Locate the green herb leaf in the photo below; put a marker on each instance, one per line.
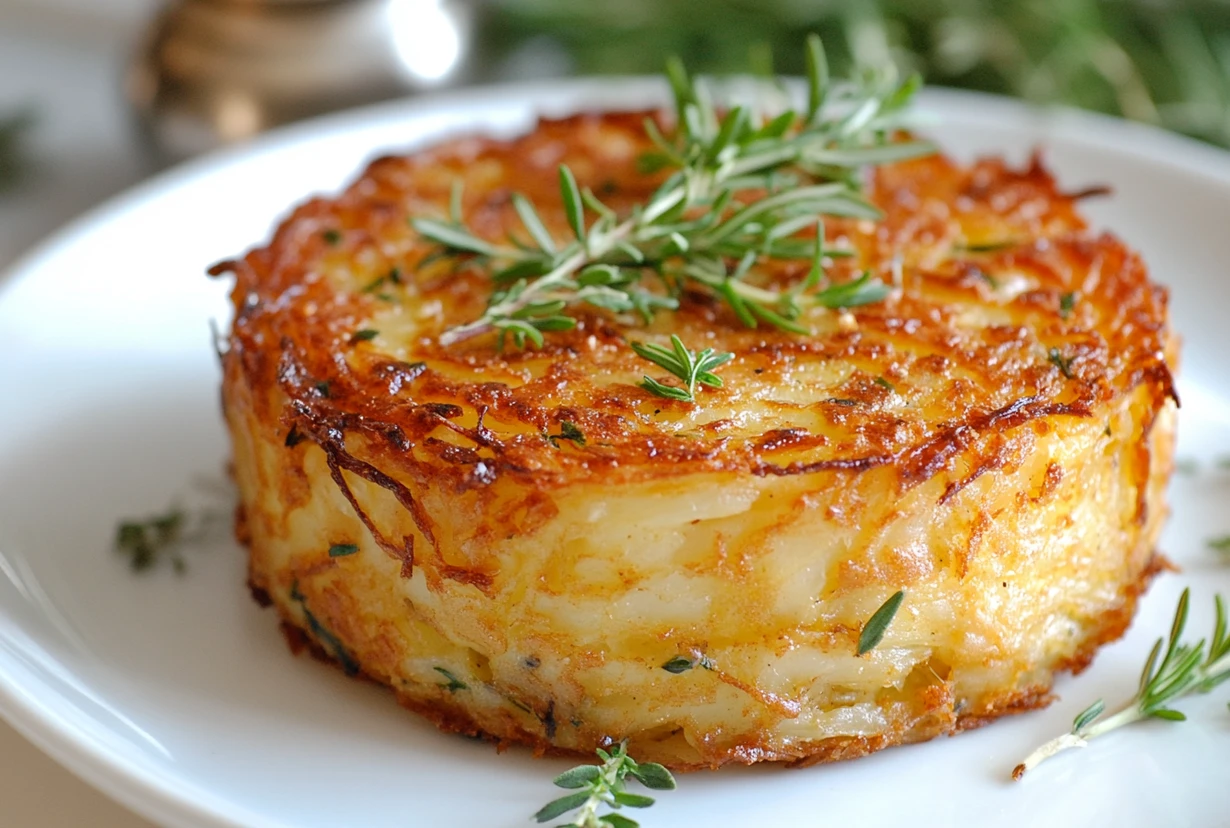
(533, 222)
(1064, 365)
(693, 369)
(573, 207)
(817, 77)
(578, 777)
(877, 624)
(986, 247)
(631, 800)
(654, 776)
(599, 785)
(561, 806)
(864, 290)
(341, 550)
(148, 541)
(1173, 670)
(678, 664)
(567, 431)
(737, 193)
(618, 821)
(1087, 715)
(453, 684)
(454, 237)
(364, 335)
(1067, 302)
(327, 638)
(1220, 544)
(681, 664)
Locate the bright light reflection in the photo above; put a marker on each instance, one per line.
(425, 38)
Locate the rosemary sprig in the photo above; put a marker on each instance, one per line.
(743, 187)
(604, 785)
(1184, 670)
(693, 369)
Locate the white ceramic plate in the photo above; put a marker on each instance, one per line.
(177, 695)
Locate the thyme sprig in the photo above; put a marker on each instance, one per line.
(604, 785)
(693, 369)
(743, 188)
(1184, 669)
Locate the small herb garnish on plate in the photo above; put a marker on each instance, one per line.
(1220, 544)
(692, 369)
(342, 550)
(743, 188)
(364, 335)
(148, 541)
(1185, 669)
(600, 785)
(877, 624)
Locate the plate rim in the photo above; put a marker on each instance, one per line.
(174, 800)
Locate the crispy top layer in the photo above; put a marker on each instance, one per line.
(1008, 310)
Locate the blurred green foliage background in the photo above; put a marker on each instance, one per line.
(1165, 62)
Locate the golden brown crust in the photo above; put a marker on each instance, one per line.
(965, 382)
(994, 439)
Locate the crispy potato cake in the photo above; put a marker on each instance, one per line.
(526, 544)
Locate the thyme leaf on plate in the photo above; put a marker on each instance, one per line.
(599, 785)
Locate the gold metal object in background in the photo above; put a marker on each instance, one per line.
(212, 72)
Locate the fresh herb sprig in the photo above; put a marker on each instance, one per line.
(604, 785)
(692, 369)
(743, 187)
(147, 541)
(1184, 669)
